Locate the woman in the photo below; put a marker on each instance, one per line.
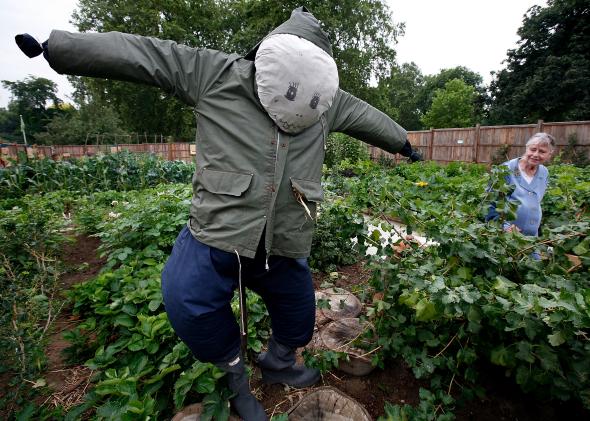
(529, 177)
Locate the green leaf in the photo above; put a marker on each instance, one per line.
(503, 285)
(123, 319)
(425, 310)
(525, 352)
(464, 273)
(501, 356)
(556, 338)
(155, 304)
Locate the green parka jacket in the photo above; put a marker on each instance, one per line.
(251, 178)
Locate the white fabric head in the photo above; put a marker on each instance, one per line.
(296, 81)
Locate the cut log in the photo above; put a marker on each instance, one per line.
(327, 404)
(340, 336)
(193, 413)
(342, 304)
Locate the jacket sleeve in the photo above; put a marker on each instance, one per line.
(180, 70)
(356, 118)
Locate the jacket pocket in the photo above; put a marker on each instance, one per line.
(310, 190)
(224, 182)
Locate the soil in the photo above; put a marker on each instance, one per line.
(396, 384)
(82, 262)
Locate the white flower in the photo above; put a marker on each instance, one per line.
(354, 241)
(114, 215)
(371, 251)
(114, 203)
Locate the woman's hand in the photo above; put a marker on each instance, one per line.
(512, 228)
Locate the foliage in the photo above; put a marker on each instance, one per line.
(473, 298)
(548, 75)
(340, 147)
(29, 99)
(329, 250)
(194, 23)
(10, 126)
(120, 171)
(433, 83)
(452, 106)
(31, 237)
(568, 197)
(431, 408)
(501, 155)
(144, 370)
(80, 125)
(362, 34)
(476, 297)
(401, 92)
(573, 154)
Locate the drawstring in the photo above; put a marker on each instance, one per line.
(266, 263)
(324, 133)
(243, 308)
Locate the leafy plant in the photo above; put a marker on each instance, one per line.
(118, 171)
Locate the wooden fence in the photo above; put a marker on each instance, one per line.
(169, 151)
(474, 144)
(481, 143)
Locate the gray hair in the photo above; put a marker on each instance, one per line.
(542, 138)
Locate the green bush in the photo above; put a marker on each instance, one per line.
(119, 171)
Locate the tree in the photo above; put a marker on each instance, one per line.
(9, 125)
(400, 92)
(146, 109)
(362, 33)
(30, 98)
(548, 75)
(76, 127)
(432, 83)
(452, 106)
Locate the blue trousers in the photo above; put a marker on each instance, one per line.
(198, 283)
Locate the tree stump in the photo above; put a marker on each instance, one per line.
(342, 304)
(193, 413)
(339, 336)
(327, 404)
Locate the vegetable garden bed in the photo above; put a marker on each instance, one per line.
(464, 327)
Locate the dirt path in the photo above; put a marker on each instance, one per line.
(68, 382)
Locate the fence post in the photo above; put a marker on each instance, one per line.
(430, 144)
(476, 144)
(170, 152)
(539, 126)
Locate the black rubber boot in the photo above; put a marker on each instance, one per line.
(278, 366)
(244, 402)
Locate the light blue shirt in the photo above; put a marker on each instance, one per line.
(529, 195)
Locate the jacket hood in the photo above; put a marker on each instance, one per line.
(303, 24)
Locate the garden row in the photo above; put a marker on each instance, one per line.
(449, 310)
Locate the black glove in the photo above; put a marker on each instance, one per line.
(413, 154)
(28, 45)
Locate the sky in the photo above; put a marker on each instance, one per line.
(438, 35)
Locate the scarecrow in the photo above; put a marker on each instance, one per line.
(262, 124)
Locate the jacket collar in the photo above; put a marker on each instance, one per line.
(516, 173)
(303, 24)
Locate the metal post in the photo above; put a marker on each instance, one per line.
(22, 128)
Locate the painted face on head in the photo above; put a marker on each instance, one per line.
(537, 153)
(296, 81)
